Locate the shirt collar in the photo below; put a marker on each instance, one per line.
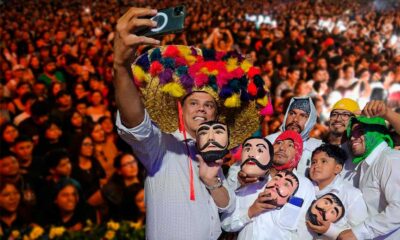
(375, 153)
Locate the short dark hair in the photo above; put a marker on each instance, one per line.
(22, 138)
(332, 151)
(53, 157)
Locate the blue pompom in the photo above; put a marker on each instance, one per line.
(212, 82)
(243, 83)
(155, 55)
(234, 84)
(208, 54)
(225, 92)
(143, 62)
(261, 92)
(244, 96)
(168, 63)
(181, 70)
(258, 81)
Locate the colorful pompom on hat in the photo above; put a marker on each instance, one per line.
(166, 74)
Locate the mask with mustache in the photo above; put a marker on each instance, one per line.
(259, 151)
(260, 165)
(311, 216)
(215, 134)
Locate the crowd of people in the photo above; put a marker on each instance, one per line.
(60, 150)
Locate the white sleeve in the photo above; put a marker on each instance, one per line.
(235, 221)
(146, 141)
(389, 219)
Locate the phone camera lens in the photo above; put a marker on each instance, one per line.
(178, 11)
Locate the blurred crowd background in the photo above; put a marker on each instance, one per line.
(59, 147)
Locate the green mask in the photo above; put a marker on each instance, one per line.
(375, 132)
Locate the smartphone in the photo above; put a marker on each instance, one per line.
(169, 20)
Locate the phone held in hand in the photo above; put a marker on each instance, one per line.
(169, 20)
(296, 201)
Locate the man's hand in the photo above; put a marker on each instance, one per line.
(347, 235)
(244, 179)
(375, 108)
(259, 206)
(208, 172)
(318, 229)
(126, 42)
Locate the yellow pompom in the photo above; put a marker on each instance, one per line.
(231, 64)
(232, 101)
(263, 101)
(208, 72)
(174, 89)
(246, 65)
(139, 74)
(186, 53)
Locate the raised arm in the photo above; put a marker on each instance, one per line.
(126, 42)
(377, 108)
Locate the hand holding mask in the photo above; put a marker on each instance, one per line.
(281, 188)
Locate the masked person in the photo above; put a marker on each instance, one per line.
(326, 164)
(376, 166)
(183, 200)
(262, 210)
(301, 117)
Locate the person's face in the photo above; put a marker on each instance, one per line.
(198, 108)
(81, 108)
(39, 89)
(56, 88)
(76, 120)
(98, 134)
(23, 89)
(284, 152)
(63, 168)
(129, 167)
(323, 168)
(67, 199)
(65, 100)
(107, 125)
(53, 132)
(349, 73)
(320, 76)
(50, 67)
(9, 166)
(296, 120)
(212, 137)
(294, 76)
(338, 121)
(281, 187)
(322, 63)
(96, 98)
(87, 147)
(24, 150)
(255, 150)
(9, 198)
(357, 140)
(79, 90)
(326, 209)
(10, 134)
(139, 200)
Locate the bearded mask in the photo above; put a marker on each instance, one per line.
(256, 156)
(327, 208)
(281, 187)
(212, 140)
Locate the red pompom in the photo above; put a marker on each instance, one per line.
(155, 68)
(252, 89)
(171, 51)
(254, 71)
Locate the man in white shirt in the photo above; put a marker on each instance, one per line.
(256, 219)
(377, 166)
(326, 164)
(301, 117)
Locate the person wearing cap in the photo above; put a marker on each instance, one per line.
(340, 116)
(183, 196)
(256, 219)
(377, 178)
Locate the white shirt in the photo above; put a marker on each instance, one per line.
(170, 213)
(354, 205)
(380, 185)
(286, 223)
